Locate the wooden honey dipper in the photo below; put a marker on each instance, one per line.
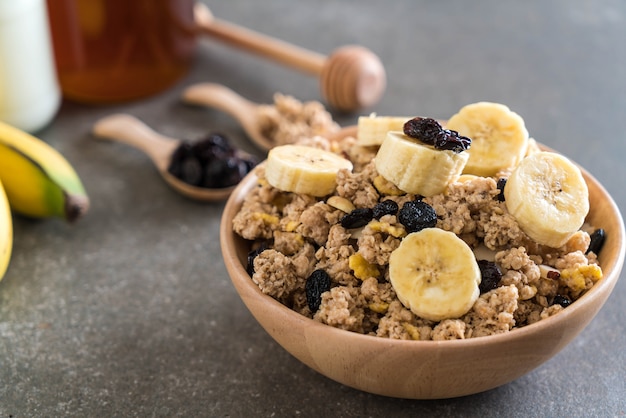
(352, 77)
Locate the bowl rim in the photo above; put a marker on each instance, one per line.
(601, 289)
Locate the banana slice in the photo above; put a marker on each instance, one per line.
(548, 196)
(499, 137)
(435, 274)
(372, 129)
(418, 168)
(302, 169)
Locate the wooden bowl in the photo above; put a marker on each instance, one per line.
(425, 369)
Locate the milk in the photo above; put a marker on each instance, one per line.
(29, 90)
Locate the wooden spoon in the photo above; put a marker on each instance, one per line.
(342, 133)
(131, 131)
(243, 110)
(352, 77)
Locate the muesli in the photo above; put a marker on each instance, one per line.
(422, 232)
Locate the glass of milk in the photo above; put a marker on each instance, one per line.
(29, 90)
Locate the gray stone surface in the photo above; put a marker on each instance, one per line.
(130, 312)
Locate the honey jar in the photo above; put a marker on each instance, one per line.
(119, 50)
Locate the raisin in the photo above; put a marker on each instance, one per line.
(501, 184)
(554, 275)
(250, 163)
(214, 173)
(316, 284)
(213, 146)
(564, 301)
(386, 207)
(185, 165)
(451, 140)
(357, 218)
(429, 131)
(490, 275)
(181, 153)
(416, 215)
(225, 172)
(424, 129)
(191, 171)
(252, 255)
(597, 241)
(210, 162)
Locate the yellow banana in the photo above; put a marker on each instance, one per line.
(6, 233)
(39, 182)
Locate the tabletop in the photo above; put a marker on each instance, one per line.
(130, 311)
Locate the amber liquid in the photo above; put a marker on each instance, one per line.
(120, 50)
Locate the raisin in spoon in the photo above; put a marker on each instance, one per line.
(131, 131)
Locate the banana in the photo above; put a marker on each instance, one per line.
(302, 169)
(39, 182)
(499, 137)
(435, 274)
(416, 167)
(6, 232)
(372, 129)
(548, 196)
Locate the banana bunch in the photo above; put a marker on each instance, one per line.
(37, 181)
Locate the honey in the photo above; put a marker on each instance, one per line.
(119, 50)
